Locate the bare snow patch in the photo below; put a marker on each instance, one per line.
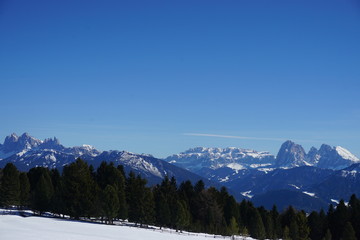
(247, 194)
(310, 194)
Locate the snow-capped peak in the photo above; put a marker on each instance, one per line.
(88, 147)
(344, 153)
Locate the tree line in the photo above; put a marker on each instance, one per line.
(108, 194)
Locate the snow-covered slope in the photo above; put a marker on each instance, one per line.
(40, 228)
(214, 158)
(335, 157)
(51, 154)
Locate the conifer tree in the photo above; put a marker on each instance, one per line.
(24, 189)
(57, 202)
(286, 233)
(79, 189)
(148, 214)
(256, 225)
(348, 233)
(162, 210)
(182, 215)
(302, 224)
(107, 174)
(233, 228)
(10, 186)
(276, 222)
(339, 219)
(42, 194)
(110, 203)
(354, 204)
(136, 194)
(199, 186)
(328, 235)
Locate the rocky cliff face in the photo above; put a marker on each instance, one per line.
(291, 155)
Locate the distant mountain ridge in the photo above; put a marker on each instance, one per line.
(305, 180)
(27, 152)
(327, 157)
(290, 155)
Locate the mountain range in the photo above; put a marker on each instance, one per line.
(307, 181)
(27, 152)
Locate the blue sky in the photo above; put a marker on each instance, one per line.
(149, 76)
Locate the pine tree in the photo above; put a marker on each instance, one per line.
(182, 215)
(233, 228)
(286, 233)
(328, 235)
(276, 222)
(302, 224)
(162, 210)
(348, 233)
(199, 186)
(24, 190)
(136, 193)
(256, 225)
(340, 217)
(43, 194)
(148, 214)
(107, 174)
(111, 203)
(79, 189)
(57, 202)
(354, 204)
(10, 186)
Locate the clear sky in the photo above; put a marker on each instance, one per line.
(152, 76)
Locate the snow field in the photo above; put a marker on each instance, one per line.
(13, 227)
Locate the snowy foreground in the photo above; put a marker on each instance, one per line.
(13, 227)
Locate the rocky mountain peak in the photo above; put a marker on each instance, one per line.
(291, 155)
(313, 156)
(335, 157)
(14, 143)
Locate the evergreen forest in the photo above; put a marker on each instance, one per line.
(108, 194)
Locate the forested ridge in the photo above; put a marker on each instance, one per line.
(107, 193)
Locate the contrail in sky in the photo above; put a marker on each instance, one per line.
(242, 137)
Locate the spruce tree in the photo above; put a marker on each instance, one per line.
(136, 194)
(148, 214)
(302, 224)
(354, 204)
(162, 210)
(276, 222)
(24, 190)
(42, 194)
(328, 235)
(348, 233)
(79, 189)
(286, 233)
(256, 225)
(57, 201)
(340, 217)
(182, 215)
(199, 186)
(10, 186)
(233, 228)
(107, 174)
(110, 203)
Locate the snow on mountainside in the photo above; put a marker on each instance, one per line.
(335, 157)
(213, 158)
(51, 154)
(344, 153)
(293, 155)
